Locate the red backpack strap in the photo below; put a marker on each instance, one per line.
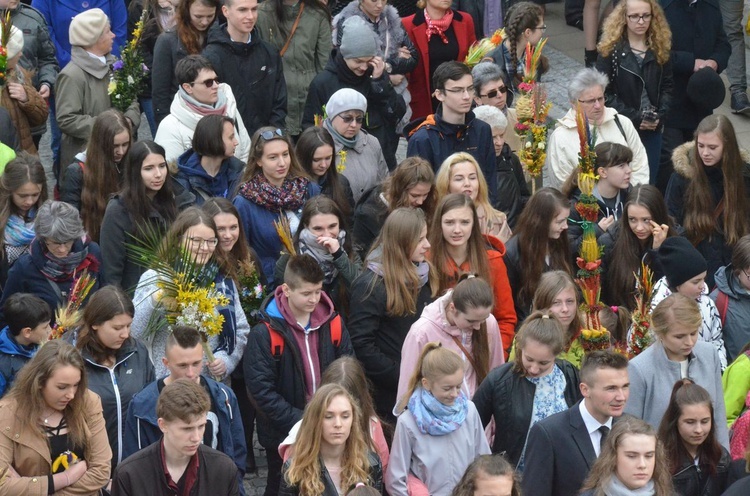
(336, 331)
(722, 304)
(277, 341)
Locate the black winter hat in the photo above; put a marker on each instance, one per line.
(705, 89)
(680, 261)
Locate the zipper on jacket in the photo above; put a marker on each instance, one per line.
(643, 88)
(310, 362)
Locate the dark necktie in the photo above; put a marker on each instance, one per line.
(604, 430)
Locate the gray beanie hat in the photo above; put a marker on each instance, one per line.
(343, 100)
(86, 28)
(358, 39)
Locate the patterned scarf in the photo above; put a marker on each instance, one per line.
(438, 27)
(308, 245)
(218, 108)
(435, 418)
(290, 196)
(18, 232)
(61, 269)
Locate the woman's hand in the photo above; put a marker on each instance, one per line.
(649, 125)
(217, 368)
(76, 471)
(660, 234)
(378, 66)
(404, 53)
(606, 223)
(396, 79)
(330, 244)
(17, 92)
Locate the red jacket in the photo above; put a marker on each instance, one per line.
(420, 86)
(504, 310)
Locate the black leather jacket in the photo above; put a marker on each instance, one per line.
(627, 79)
(376, 479)
(692, 480)
(510, 398)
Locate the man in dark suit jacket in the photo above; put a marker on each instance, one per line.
(562, 448)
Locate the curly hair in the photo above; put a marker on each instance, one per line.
(658, 35)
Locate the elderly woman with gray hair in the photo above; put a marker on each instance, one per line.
(587, 89)
(57, 257)
(492, 87)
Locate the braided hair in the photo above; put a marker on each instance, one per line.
(520, 17)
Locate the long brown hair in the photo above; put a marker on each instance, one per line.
(106, 304)
(396, 242)
(685, 393)
(534, 243)
(606, 465)
(308, 143)
(349, 373)
(700, 218)
(24, 169)
(33, 377)
(409, 173)
(552, 284)
(476, 250)
(475, 292)
(658, 35)
(305, 469)
(257, 146)
(628, 251)
(241, 251)
(101, 176)
(192, 39)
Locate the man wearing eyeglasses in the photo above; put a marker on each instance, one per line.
(453, 127)
(249, 65)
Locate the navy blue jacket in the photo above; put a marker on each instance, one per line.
(142, 428)
(13, 356)
(434, 140)
(26, 277)
(196, 180)
(260, 232)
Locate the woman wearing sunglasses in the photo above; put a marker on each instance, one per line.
(273, 186)
(359, 156)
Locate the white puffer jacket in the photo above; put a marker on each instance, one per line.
(175, 132)
(711, 330)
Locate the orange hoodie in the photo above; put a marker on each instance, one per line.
(504, 310)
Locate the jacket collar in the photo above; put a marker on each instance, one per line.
(90, 64)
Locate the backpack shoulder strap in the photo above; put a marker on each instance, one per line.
(277, 341)
(619, 126)
(336, 331)
(722, 304)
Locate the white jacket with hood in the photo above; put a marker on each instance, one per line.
(175, 132)
(564, 146)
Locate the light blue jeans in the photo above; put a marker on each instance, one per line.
(731, 12)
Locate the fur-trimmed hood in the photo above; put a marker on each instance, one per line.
(681, 159)
(389, 29)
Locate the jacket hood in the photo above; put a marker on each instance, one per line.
(569, 119)
(682, 155)
(727, 283)
(434, 313)
(219, 35)
(10, 346)
(391, 28)
(278, 307)
(189, 163)
(435, 122)
(498, 248)
(129, 347)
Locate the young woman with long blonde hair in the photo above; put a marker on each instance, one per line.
(331, 454)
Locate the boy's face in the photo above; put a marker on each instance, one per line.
(183, 438)
(457, 95)
(36, 334)
(304, 298)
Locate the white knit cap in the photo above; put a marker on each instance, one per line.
(86, 28)
(15, 43)
(345, 99)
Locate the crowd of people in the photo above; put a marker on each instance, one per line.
(384, 326)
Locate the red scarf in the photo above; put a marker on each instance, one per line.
(438, 27)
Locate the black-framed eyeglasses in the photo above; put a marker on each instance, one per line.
(349, 118)
(198, 242)
(746, 274)
(207, 83)
(269, 135)
(493, 93)
(638, 18)
(543, 27)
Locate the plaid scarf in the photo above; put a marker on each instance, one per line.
(438, 27)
